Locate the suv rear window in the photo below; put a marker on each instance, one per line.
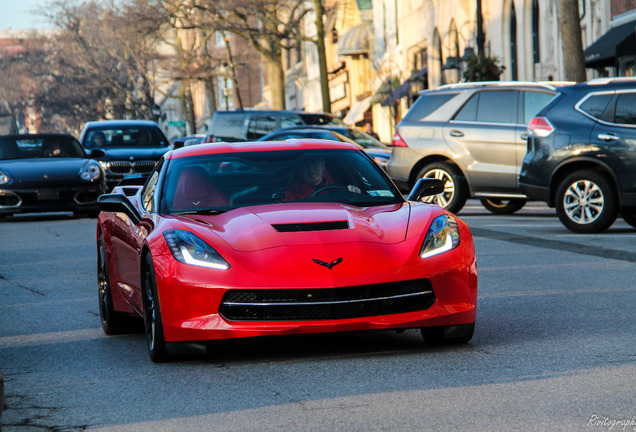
(228, 125)
(595, 105)
(426, 104)
(321, 119)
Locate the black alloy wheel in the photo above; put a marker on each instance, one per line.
(152, 314)
(586, 202)
(112, 322)
(503, 206)
(455, 188)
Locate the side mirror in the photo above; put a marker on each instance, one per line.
(96, 153)
(426, 187)
(118, 203)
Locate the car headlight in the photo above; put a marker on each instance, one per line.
(442, 236)
(91, 171)
(4, 178)
(187, 248)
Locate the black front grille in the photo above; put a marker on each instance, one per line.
(125, 167)
(327, 303)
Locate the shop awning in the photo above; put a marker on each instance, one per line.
(356, 113)
(355, 41)
(616, 42)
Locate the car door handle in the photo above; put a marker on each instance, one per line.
(608, 137)
(524, 136)
(456, 133)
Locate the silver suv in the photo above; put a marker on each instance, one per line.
(473, 137)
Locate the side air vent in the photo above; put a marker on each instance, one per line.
(318, 226)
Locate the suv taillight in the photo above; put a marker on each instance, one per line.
(398, 141)
(540, 126)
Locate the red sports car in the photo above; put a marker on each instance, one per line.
(252, 239)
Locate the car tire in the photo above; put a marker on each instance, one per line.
(502, 206)
(629, 215)
(153, 326)
(113, 322)
(455, 334)
(455, 188)
(586, 202)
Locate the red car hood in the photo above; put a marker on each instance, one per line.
(256, 228)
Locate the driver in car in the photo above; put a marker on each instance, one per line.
(310, 177)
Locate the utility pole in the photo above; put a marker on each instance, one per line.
(322, 57)
(481, 36)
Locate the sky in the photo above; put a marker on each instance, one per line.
(20, 15)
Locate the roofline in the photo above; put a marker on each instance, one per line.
(498, 84)
(259, 146)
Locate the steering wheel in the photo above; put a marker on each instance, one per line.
(327, 188)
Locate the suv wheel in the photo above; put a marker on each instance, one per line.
(503, 206)
(455, 188)
(586, 203)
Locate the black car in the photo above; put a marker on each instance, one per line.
(47, 172)
(374, 148)
(250, 125)
(581, 155)
(126, 149)
(187, 140)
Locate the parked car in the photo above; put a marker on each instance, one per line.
(264, 250)
(47, 172)
(250, 125)
(126, 149)
(374, 148)
(187, 140)
(472, 136)
(581, 155)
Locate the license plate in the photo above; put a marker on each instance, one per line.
(48, 195)
(132, 175)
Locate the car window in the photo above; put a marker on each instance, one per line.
(533, 102)
(125, 136)
(226, 181)
(498, 106)
(626, 109)
(469, 111)
(260, 126)
(228, 125)
(290, 121)
(320, 119)
(364, 139)
(426, 104)
(595, 105)
(30, 147)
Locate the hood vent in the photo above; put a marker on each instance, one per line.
(317, 226)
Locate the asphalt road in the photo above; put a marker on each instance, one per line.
(554, 348)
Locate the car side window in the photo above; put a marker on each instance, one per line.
(469, 111)
(595, 105)
(625, 109)
(148, 193)
(533, 102)
(289, 121)
(497, 106)
(260, 126)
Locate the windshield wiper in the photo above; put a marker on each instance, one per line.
(205, 211)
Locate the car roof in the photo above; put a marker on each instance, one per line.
(38, 135)
(495, 84)
(116, 123)
(259, 111)
(259, 146)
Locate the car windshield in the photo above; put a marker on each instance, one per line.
(364, 139)
(221, 182)
(124, 136)
(321, 119)
(33, 147)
